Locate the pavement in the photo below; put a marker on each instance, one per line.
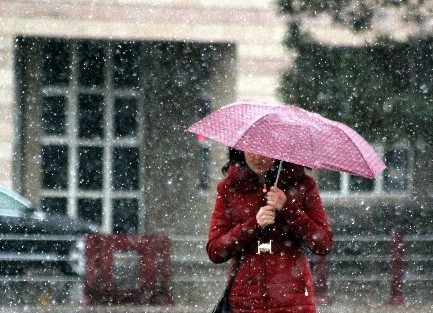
(340, 307)
(369, 299)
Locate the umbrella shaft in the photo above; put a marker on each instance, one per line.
(278, 173)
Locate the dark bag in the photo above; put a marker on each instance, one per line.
(223, 304)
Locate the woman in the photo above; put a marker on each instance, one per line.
(269, 226)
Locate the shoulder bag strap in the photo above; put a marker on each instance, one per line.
(232, 279)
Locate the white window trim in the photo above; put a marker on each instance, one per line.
(378, 191)
(107, 143)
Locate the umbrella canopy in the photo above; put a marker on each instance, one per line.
(289, 133)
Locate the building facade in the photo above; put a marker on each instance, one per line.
(96, 97)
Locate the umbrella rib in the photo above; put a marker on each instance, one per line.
(305, 116)
(344, 128)
(249, 125)
(261, 117)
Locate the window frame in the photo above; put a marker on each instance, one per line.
(378, 183)
(108, 143)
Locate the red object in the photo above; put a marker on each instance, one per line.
(280, 281)
(397, 269)
(201, 138)
(153, 284)
(289, 133)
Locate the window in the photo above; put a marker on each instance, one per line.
(91, 131)
(395, 179)
(104, 118)
(55, 167)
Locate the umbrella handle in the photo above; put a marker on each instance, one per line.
(278, 173)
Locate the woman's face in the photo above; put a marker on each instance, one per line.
(258, 164)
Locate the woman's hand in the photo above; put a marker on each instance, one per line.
(265, 216)
(276, 198)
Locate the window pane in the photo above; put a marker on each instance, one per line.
(125, 169)
(90, 210)
(55, 167)
(125, 215)
(54, 205)
(396, 173)
(54, 115)
(56, 63)
(90, 116)
(125, 117)
(126, 65)
(90, 168)
(329, 180)
(361, 184)
(91, 63)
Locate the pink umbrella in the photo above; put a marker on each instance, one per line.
(289, 133)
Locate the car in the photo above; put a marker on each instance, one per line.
(32, 239)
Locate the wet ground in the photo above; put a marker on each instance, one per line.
(35, 298)
(342, 307)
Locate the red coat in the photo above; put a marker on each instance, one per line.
(275, 282)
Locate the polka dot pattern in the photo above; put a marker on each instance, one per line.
(290, 133)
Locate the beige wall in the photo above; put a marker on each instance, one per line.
(391, 22)
(6, 108)
(251, 25)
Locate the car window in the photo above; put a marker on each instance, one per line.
(9, 205)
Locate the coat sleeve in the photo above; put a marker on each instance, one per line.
(306, 216)
(225, 240)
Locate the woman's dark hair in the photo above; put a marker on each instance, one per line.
(236, 157)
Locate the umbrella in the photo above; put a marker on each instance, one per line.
(290, 133)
